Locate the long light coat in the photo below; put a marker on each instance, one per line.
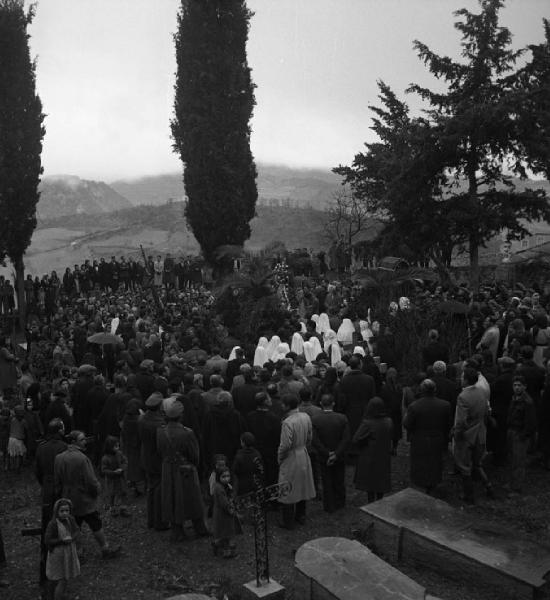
(294, 462)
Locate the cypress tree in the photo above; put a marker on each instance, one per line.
(214, 100)
(21, 134)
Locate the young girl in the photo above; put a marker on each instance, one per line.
(113, 468)
(60, 538)
(220, 462)
(225, 524)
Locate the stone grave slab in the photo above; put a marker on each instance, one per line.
(340, 569)
(417, 528)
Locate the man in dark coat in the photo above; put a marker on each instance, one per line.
(79, 394)
(331, 437)
(181, 497)
(445, 388)
(356, 389)
(57, 409)
(501, 396)
(266, 428)
(151, 460)
(428, 422)
(244, 396)
(145, 380)
(222, 429)
(533, 374)
(44, 471)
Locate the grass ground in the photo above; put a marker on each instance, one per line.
(151, 568)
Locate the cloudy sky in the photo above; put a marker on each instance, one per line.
(105, 73)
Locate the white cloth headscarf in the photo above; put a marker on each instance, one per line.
(309, 351)
(329, 338)
(297, 344)
(335, 354)
(316, 345)
(233, 354)
(282, 350)
(345, 332)
(273, 346)
(359, 350)
(324, 324)
(260, 354)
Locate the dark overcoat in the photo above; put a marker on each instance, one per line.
(428, 422)
(180, 486)
(374, 441)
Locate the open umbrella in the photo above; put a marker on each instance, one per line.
(104, 337)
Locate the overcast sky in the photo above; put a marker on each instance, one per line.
(105, 73)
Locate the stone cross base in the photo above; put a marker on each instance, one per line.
(267, 591)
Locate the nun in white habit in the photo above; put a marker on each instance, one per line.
(297, 344)
(272, 347)
(260, 355)
(335, 354)
(316, 345)
(329, 338)
(309, 351)
(282, 351)
(345, 332)
(323, 324)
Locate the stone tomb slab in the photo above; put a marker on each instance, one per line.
(340, 569)
(417, 528)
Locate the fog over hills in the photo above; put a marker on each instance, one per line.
(67, 195)
(303, 187)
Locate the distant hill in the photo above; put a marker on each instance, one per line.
(69, 195)
(277, 185)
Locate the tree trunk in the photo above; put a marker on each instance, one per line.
(474, 263)
(19, 266)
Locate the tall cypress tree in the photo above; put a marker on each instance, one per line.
(214, 100)
(21, 134)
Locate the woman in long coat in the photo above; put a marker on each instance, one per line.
(428, 422)
(180, 487)
(374, 440)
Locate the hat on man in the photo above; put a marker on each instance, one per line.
(506, 361)
(146, 364)
(86, 369)
(155, 399)
(439, 366)
(175, 410)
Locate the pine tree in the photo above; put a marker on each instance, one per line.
(21, 134)
(214, 100)
(476, 119)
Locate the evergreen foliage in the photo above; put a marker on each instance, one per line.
(469, 133)
(21, 134)
(214, 100)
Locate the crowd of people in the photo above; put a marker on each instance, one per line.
(169, 405)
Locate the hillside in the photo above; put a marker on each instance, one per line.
(276, 184)
(68, 195)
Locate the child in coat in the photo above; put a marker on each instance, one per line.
(225, 524)
(60, 536)
(220, 462)
(113, 468)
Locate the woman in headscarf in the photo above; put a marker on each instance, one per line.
(260, 354)
(282, 350)
(374, 439)
(309, 352)
(272, 347)
(345, 332)
(316, 347)
(329, 339)
(297, 345)
(323, 324)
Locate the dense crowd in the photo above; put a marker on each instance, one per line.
(131, 384)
